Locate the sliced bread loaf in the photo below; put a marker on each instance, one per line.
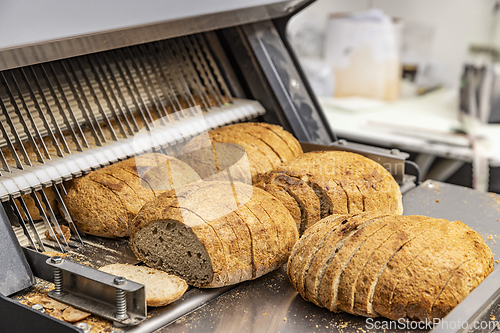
(413, 267)
(233, 232)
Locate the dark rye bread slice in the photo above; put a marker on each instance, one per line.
(327, 292)
(304, 256)
(331, 246)
(276, 143)
(460, 285)
(179, 242)
(219, 217)
(287, 137)
(367, 280)
(412, 298)
(286, 199)
(389, 279)
(84, 202)
(349, 277)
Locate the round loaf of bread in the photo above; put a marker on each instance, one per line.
(214, 234)
(265, 145)
(394, 266)
(104, 202)
(343, 183)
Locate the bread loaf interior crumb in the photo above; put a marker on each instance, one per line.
(172, 247)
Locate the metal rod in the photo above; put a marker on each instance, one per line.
(65, 213)
(79, 132)
(83, 104)
(22, 223)
(10, 145)
(142, 105)
(41, 114)
(52, 216)
(215, 69)
(191, 72)
(162, 109)
(52, 234)
(129, 90)
(96, 99)
(106, 96)
(145, 86)
(183, 87)
(31, 223)
(17, 139)
(53, 120)
(213, 82)
(32, 121)
(176, 106)
(119, 90)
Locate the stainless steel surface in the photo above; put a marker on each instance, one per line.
(191, 301)
(66, 30)
(96, 292)
(269, 304)
(393, 161)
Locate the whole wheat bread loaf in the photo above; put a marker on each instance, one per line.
(343, 182)
(214, 234)
(395, 266)
(266, 146)
(104, 202)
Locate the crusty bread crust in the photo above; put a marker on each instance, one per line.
(413, 267)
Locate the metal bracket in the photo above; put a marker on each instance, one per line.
(391, 159)
(103, 294)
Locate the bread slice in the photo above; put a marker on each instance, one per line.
(331, 246)
(328, 286)
(367, 280)
(270, 138)
(161, 288)
(305, 255)
(286, 199)
(287, 137)
(349, 278)
(397, 265)
(303, 194)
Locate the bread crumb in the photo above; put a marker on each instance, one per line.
(490, 237)
(264, 314)
(437, 200)
(284, 319)
(492, 317)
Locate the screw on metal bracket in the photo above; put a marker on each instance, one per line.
(84, 327)
(395, 151)
(58, 277)
(121, 299)
(38, 307)
(295, 84)
(342, 142)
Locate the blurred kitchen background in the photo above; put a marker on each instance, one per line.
(419, 76)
